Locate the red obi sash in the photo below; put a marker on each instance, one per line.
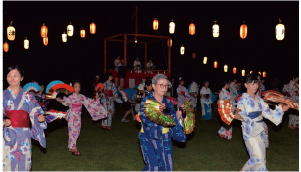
(42, 104)
(18, 118)
(109, 93)
(76, 107)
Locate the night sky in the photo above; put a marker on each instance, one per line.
(82, 58)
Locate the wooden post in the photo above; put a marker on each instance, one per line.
(145, 55)
(136, 14)
(105, 56)
(169, 59)
(125, 49)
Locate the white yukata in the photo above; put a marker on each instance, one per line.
(193, 89)
(253, 129)
(206, 104)
(148, 66)
(139, 64)
(233, 93)
(225, 130)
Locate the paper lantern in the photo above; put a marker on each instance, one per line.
(259, 73)
(44, 31)
(70, 29)
(215, 30)
(45, 41)
(279, 31)
(92, 28)
(169, 42)
(243, 31)
(193, 55)
(82, 33)
(215, 64)
(226, 68)
(26, 43)
(11, 32)
(172, 27)
(64, 37)
(155, 24)
(234, 70)
(243, 72)
(205, 60)
(251, 72)
(5, 46)
(182, 50)
(264, 74)
(191, 28)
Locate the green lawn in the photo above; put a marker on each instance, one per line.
(119, 150)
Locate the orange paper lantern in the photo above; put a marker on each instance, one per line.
(243, 72)
(82, 33)
(44, 31)
(243, 31)
(92, 28)
(191, 29)
(193, 55)
(264, 74)
(215, 64)
(5, 46)
(234, 70)
(169, 42)
(45, 41)
(155, 24)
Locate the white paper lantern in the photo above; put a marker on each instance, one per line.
(226, 68)
(182, 50)
(26, 43)
(205, 60)
(64, 37)
(172, 27)
(11, 32)
(70, 29)
(279, 31)
(215, 30)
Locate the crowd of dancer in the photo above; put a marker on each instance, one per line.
(20, 107)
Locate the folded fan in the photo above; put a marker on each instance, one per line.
(277, 99)
(226, 111)
(52, 115)
(31, 86)
(99, 87)
(189, 121)
(59, 88)
(151, 110)
(272, 92)
(52, 83)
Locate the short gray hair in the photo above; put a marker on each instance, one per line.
(159, 76)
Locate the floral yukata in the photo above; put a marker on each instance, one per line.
(206, 103)
(41, 98)
(182, 95)
(225, 130)
(155, 140)
(110, 92)
(73, 117)
(292, 90)
(21, 109)
(253, 129)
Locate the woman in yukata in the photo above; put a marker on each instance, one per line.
(182, 93)
(155, 140)
(252, 110)
(20, 107)
(75, 102)
(206, 100)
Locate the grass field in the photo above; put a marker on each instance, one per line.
(119, 150)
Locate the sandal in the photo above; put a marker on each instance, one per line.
(76, 153)
(109, 128)
(103, 127)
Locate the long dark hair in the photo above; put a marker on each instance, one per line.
(107, 75)
(18, 68)
(250, 78)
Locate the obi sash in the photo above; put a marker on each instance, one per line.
(42, 103)
(18, 118)
(254, 115)
(76, 107)
(164, 129)
(109, 93)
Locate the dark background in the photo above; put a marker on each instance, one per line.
(82, 58)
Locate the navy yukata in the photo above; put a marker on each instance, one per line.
(156, 147)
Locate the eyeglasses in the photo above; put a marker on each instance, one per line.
(163, 86)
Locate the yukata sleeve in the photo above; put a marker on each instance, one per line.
(243, 113)
(221, 95)
(178, 91)
(37, 130)
(115, 94)
(151, 129)
(66, 101)
(177, 130)
(95, 109)
(275, 115)
(187, 95)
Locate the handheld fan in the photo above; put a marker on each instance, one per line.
(189, 120)
(59, 88)
(272, 92)
(52, 83)
(123, 95)
(173, 100)
(226, 110)
(52, 115)
(151, 110)
(275, 97)
(31, 86)
(99, 87)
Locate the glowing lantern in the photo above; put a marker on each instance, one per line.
(193, 55)
(155, 24)
(82, 33)
(169, 42)
(64, 37)
(234, 70)
(70, 29)
(172, 27)
(182, 50)
(259, 73)
(226, 68)
(243, 72)
(44, 31)
(92, 28)
(215, 30)
(251, 72)
(205, 60)
(215, 64)
(45, 41)
(264, 74)
(26, 43)
(5, 46)
(243, 31)
(191, 28)
(280, 30)
(11, 32)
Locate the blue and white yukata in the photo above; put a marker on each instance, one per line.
(155, 140)
(253, 129)
(193, 90)
(225, 130)
(206, 103)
